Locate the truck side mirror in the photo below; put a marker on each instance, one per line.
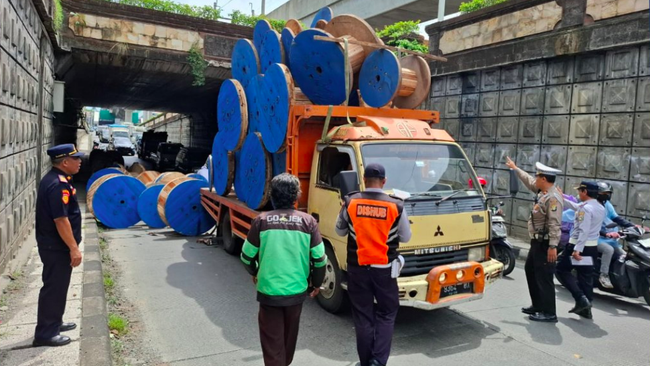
(514, 183)
(348, 182)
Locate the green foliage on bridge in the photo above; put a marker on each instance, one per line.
(237, 17)
(475, 5)
(204, 11)
(58, 15)
(198, 64)
(403, 35)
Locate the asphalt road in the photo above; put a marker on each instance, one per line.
(197, 307)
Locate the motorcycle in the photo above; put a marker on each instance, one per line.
(630, 275)
(500, 248)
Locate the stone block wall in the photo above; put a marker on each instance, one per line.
(23, 136)
(586, 114)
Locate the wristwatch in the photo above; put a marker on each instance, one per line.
(552, 246)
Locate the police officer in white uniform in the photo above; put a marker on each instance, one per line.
(544, 227)
(583, 243)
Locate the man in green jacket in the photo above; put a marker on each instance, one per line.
(285, 254)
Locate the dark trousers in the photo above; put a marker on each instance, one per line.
(373, 322)
(51, 300)
(583, 285)
(279, 333)
(539, 275)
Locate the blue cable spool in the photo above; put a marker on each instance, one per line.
(148, 207)
(324, 14)
(232, 114)
(223, 168)
(279, 163)
(115, 201)
(380, 78)
(287, 37)
(272, 50)
(319, 68)
(261, 27)
(100, 173)
(240, 179)
(245, 61)
(197, 176)
(275, 96)
(180, 201)
(252, 102)
(256, 171)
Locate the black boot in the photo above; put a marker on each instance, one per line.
(529, 310)
(586, 313)
(582, 304)
(543, 317)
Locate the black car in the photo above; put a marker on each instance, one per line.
(122, 145)
(191, 158)
(165, 157)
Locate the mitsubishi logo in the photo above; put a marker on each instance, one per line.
(439, 232)
(406, 129)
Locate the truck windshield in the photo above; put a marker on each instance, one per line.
(121, 134)
(423, 168)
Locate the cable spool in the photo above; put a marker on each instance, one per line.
(165, 178)
(274, 103)
(148, 207)
(240, 179)
(137, 168)
(93, 187)
(255, 170)
(261, 27)
(232, 114)
(223, 168)
(148, 177)
(324, 14)
(100, 173)
(179, 205)
(114, 200)
(197, 176)
(321, 70)
(245, 61)
(321, 24)
(271, 50)
(294, 25)
(286, 37)
(252, 102)
(384, 78)
(279, 161)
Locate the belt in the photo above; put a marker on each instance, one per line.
(588, 243)
(537, 236)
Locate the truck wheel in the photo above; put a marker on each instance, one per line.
(332, 298)
(231, 243)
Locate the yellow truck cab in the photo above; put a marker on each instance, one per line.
(447, 259)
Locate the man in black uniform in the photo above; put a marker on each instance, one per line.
(58, 234)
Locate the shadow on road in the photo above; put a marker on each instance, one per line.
(224, 290)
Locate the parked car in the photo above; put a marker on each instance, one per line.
(165, 157)
(191, 158)
(122, 145)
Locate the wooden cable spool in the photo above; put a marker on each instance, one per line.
(100, 173)
(148, 207)
(286, 36)
(271, 50)
(384, 78)
(274, 103)
(294, 25)
(324, 14)
(240, 178)
(197, 176)
(232, 114)
(148, 177)
(165, 178)
(114, 200)
(321, 74)
(179, 205)
(255, 169)
(245, 61)
(93, 187)
(137, 168)
(223, 168)
(347, 25)
(252, 102)
(261, 27)
(279, 162)
(321, 24)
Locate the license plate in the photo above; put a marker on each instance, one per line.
(461, 288)
(645, 243)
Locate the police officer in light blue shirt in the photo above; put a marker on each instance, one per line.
(583, 243)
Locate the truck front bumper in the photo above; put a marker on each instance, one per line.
(427, 291)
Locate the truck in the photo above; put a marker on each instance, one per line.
(148, 146)
(447, 260)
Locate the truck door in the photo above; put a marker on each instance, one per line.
(325, 198)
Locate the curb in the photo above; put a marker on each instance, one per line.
(95, 345)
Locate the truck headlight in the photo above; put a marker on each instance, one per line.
(476, 254)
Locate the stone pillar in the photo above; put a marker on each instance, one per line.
(573, 12)
(434, 43)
